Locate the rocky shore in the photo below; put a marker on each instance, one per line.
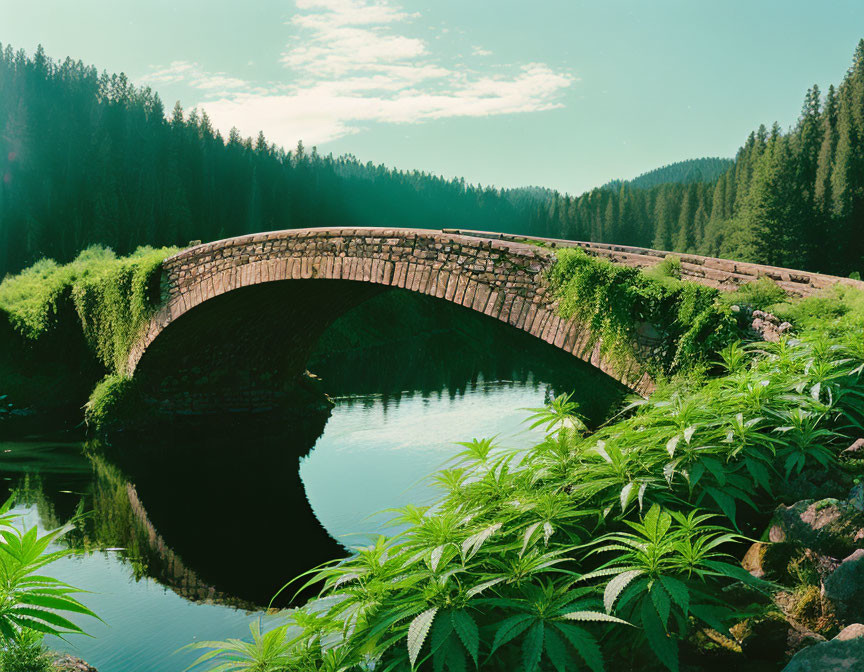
(811, 553)
(63, 662)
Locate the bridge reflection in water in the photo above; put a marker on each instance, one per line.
(225, 517)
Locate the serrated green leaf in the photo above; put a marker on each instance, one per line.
(556, 650)
(662, 602)
(584, 643)
(510, 628)
(677, 591)
(468, 632)
(417, 632)
(532, 647)
(663, 646)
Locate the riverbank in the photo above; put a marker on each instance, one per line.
(555, 552)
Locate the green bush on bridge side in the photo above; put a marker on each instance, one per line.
(616, 301)
(113, 297)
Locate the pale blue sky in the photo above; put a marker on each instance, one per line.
(560, 93)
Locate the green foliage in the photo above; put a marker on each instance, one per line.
(267, 652)
(760, 294)
(682, 172)
(616, 301)
(669, 268)
(593, 549)
(832, 312)
(115, 400)
(29, 601)
(663, 575)
(113, 297)
(26, 653)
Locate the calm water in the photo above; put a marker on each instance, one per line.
(187, 540)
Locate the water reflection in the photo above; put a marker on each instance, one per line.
(222, 518)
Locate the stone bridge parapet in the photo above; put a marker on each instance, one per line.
(499, 278)
(499, 275)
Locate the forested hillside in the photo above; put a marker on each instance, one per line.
(683, 172)
(89, 158)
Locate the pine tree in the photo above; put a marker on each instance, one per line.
(822, 187)
(686, 237)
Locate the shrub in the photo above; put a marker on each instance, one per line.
(113, 297)
(32, 604)
(115, 399)
(26, 653)
(267, 652)
(668, 269)
(760, 294)
(616, 301)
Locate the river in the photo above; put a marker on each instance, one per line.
(185, 539)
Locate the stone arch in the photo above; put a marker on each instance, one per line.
(502, 279)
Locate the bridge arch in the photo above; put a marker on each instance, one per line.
(503, 279)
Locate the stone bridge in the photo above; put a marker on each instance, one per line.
(280, 290)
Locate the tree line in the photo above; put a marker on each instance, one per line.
(90, 158)
(791, 198)
(692, 170)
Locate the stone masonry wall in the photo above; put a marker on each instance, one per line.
(499, 275)
(499, 278)
(723, 274)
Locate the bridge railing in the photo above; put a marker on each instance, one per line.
(724, 274)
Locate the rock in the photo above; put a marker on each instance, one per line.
(63, 662)
(851, 632)
(768, 560)
(768, 326)
(856, 449)
(828, 526)
(844, 587)
(837, 655)
(797, 640)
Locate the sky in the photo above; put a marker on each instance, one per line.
(566, 94)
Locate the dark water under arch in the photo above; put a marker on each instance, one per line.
(213, 524)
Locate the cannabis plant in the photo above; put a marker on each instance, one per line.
(29, 600)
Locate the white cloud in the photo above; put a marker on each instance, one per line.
(195, 76)
(355, 62)
(480, 51)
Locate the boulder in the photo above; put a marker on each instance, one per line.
(844, 588)
(844, 653)
(827, 526)
(798, 639)
(851, 632)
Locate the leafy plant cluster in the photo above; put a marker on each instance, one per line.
(112, 296)
(607, 550)
(32, 605)
(616, 302)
